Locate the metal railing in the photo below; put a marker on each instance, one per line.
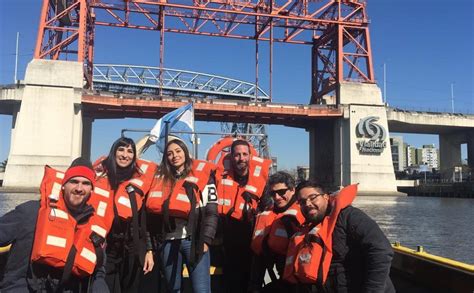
(129, 79)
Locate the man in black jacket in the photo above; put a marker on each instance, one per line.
(281, 190)
(18, 226)
(362, 254)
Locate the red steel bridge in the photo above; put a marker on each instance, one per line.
(337, 31)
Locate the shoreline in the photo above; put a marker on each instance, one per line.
(19, 189)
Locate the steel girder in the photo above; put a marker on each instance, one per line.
(337, 29)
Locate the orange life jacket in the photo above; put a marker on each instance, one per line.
(106, 198)
(285, 222)
(57, 231)
(274, 228)
(263, 224)
(309, 252)
(187, 190)
(234, 199)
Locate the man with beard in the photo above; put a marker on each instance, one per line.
(240, 184)
(361, 255)
(41, 235)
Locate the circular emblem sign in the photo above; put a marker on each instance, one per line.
(373, 136)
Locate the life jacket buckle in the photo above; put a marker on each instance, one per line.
(96, 239)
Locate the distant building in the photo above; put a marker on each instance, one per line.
(404, 156)
(411, 156)
(396, 144)
(408, 158)
(429, 155)
(302, 173)
(274, 164)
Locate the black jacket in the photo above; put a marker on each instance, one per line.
(362, 255)
(17, 227)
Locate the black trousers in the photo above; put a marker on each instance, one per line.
(123, 269)
(237, 255)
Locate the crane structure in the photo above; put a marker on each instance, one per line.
(337, 30)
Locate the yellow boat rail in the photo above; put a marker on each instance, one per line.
(420, 252)
(415, 269)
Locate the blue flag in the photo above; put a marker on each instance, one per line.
(181, 119)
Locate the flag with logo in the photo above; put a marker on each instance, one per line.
(174, 123)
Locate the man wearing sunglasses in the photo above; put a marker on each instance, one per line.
(272, 231)
(360, 257)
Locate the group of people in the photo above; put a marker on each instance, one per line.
(102, 227)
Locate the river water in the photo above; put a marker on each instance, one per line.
(443, 226)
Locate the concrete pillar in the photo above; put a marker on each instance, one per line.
(48, 127)
(470, 150)
(86, 137)
(362, 140)
(449, 154)
(450, 151)
(15, 112)
(339, 155)
(322, 152)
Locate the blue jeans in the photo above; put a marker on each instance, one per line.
(172, 254)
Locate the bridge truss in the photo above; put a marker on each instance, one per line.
(337, 30)
(130, 79)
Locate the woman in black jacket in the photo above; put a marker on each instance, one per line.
(126, 180)
(184, 196)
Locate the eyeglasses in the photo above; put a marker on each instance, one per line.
(280, 192)
(312, 198)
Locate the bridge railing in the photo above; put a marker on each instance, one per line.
(131, 79)
(468, 111)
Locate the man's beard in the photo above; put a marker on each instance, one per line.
(316, 218)
(241, 166)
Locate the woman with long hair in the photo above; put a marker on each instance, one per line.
(123, 181)
(184, 196)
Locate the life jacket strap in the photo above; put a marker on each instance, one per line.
(67, 268)
(135, 228)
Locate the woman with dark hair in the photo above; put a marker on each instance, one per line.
(184, 196)
(123, 180)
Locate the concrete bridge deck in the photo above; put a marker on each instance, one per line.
(99, 105)
(427, 122)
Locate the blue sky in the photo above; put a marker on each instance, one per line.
(426, 46)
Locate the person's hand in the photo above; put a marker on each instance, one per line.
(149, 263)
(206, 247)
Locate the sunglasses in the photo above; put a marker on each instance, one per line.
(280, 192)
